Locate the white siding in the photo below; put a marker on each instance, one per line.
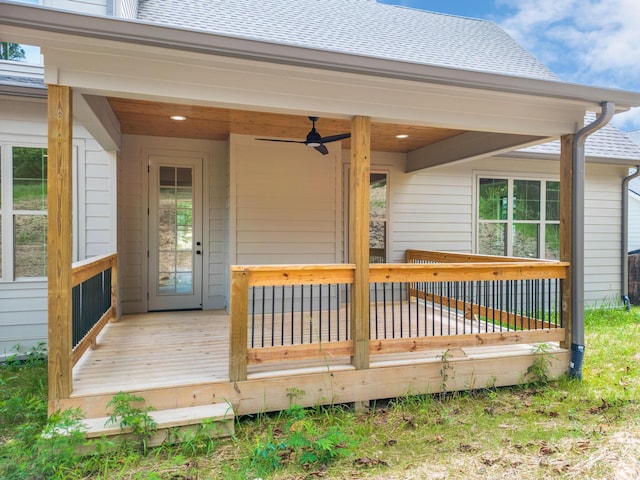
(94, 7)
(602, 234)
(23, 305)
(132, 217)
(434, 210)
(286, 204)
(23, 315)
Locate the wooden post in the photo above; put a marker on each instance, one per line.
(59, 242)
(239, 326)
(359, 238)
(566, 231)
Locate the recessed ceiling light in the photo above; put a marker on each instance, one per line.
(178, 118)
(402, 135)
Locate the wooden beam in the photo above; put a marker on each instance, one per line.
(89, 268)
(467, 146)
(428, 256)
(359, 237)
(239, 313)
(406, 345)
(59, 241)
(308, 351)
(269, 275)
(461, 272)
(566, 231)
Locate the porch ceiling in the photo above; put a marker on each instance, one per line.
(142, 117)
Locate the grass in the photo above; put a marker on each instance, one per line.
(564, 429)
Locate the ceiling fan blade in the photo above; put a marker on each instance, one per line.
(335, 138)
(322, 149)
(279, 140)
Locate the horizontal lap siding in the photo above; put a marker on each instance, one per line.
(433, 210)
(602, 243)
(99, 199)
(23, 315)
(95, 7)
(430, 210)
(286, 207)
(23, 304)
(214, 283)
(132, 216)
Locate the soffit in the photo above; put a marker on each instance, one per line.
(142, 117)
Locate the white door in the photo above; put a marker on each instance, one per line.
(175, 233)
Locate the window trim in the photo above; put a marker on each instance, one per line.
(7, 213)
(511, 177)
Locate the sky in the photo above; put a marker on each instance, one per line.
(592, 42)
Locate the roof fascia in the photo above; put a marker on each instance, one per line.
(62, 22)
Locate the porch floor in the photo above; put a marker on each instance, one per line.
(182, 348)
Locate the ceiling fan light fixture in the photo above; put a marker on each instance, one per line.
(178, 118)
(313, 144)
(402, 135)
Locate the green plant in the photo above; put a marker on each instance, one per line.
(142, 425)
(48, 453)
(538, 371)
(302, 442)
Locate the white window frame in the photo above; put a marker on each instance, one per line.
(7, 213)
(511, 177)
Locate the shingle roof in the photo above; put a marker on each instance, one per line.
(15, 81)
(608, 142)
(359, 27)
(22, 82)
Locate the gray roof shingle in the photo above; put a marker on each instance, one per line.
(358, 27)
(608, 142)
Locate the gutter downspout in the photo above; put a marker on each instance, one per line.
(577, 223)
(625, 238)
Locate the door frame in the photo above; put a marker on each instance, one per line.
(177, 158)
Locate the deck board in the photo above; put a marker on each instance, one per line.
(173, 349)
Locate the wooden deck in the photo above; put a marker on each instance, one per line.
(152, 350)
(180, 350)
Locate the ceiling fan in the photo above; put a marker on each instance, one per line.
(314, 139)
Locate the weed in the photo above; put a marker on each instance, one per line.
(302, 442)
(143, 426)
(538, 371)
(47, 453)
(444, 372)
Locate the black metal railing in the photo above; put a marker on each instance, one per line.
(91, 300)
(298, 314)
(422, 309)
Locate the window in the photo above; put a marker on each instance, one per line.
(23, 212)
(378, 218)
(519, 217)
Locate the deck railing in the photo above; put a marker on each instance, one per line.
(94, 300)
(435, 300)
(289, 312)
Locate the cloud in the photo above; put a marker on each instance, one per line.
(586, 41)
(628, 121)
(593, 42)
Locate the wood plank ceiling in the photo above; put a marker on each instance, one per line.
(141, 117)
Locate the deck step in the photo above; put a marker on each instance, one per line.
(173, 426)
